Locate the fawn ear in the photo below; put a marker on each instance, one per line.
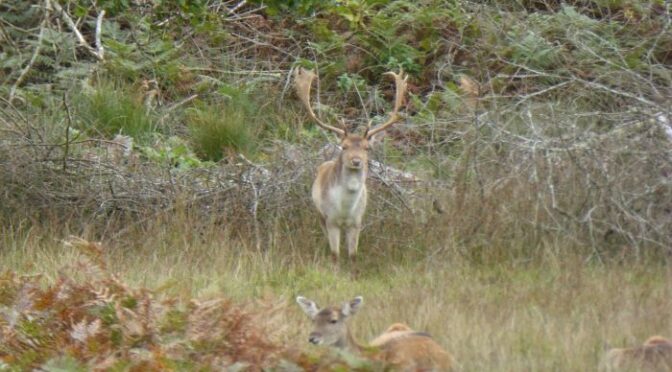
(351, 307)
(309, 307)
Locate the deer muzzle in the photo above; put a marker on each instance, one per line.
(314, 338)
(356, 163)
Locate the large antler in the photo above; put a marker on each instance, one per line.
(400, 82)
(303, 80)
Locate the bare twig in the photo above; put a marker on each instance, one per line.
(66, 145)
(543, 91)
(264, 44)
(591, 84)
(99, 26)
(236, 7)
(623, 66)
(82, 41)
(178, 104)
(271, 73)
(664, 31)
(617, 92)
(71, 24)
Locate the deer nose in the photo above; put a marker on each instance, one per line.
(356, 162)
(314, 338)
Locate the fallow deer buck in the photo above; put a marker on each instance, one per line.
(339, 190)
(399, 346)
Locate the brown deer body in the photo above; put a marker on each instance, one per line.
(399, 346)
(339, 190)
(653, 356)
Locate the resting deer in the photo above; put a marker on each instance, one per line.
(339, 189)
(400, 346)
(654, 355)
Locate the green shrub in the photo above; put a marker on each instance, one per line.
(111, 109)
(218, 129)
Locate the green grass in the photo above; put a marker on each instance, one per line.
(552, 313)
(116, 109)
(219, 130)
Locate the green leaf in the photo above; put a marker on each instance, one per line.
(64, 363)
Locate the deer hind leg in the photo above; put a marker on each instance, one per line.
(323, 224)
(352, 239)
(334, 236)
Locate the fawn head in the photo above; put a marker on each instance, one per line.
(329, 327)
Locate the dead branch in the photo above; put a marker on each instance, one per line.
(236, 7)
(177, 105)
(98, 53)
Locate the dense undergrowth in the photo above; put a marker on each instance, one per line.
(534, 130)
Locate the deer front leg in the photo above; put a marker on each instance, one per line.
(352, 239)
(334, 236)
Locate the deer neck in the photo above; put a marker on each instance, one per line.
(349, 343)
(353, 180)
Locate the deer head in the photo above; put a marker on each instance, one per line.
(355, 147)
(329, 324)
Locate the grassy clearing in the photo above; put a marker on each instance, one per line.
(550, 313)
(551, 167)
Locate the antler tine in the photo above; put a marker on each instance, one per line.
(400, 82)
(303, 80)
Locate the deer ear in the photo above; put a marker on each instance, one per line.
(309, 307)
(350, 308)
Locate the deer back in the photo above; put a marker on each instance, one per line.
(408, 350)
(416, 353)
(654, 355)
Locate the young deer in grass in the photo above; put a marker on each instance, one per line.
(400, 346)
(339, 189)
(654, 355)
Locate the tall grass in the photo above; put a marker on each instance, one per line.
(550, 312)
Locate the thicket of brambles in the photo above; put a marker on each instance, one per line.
(531, 126)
